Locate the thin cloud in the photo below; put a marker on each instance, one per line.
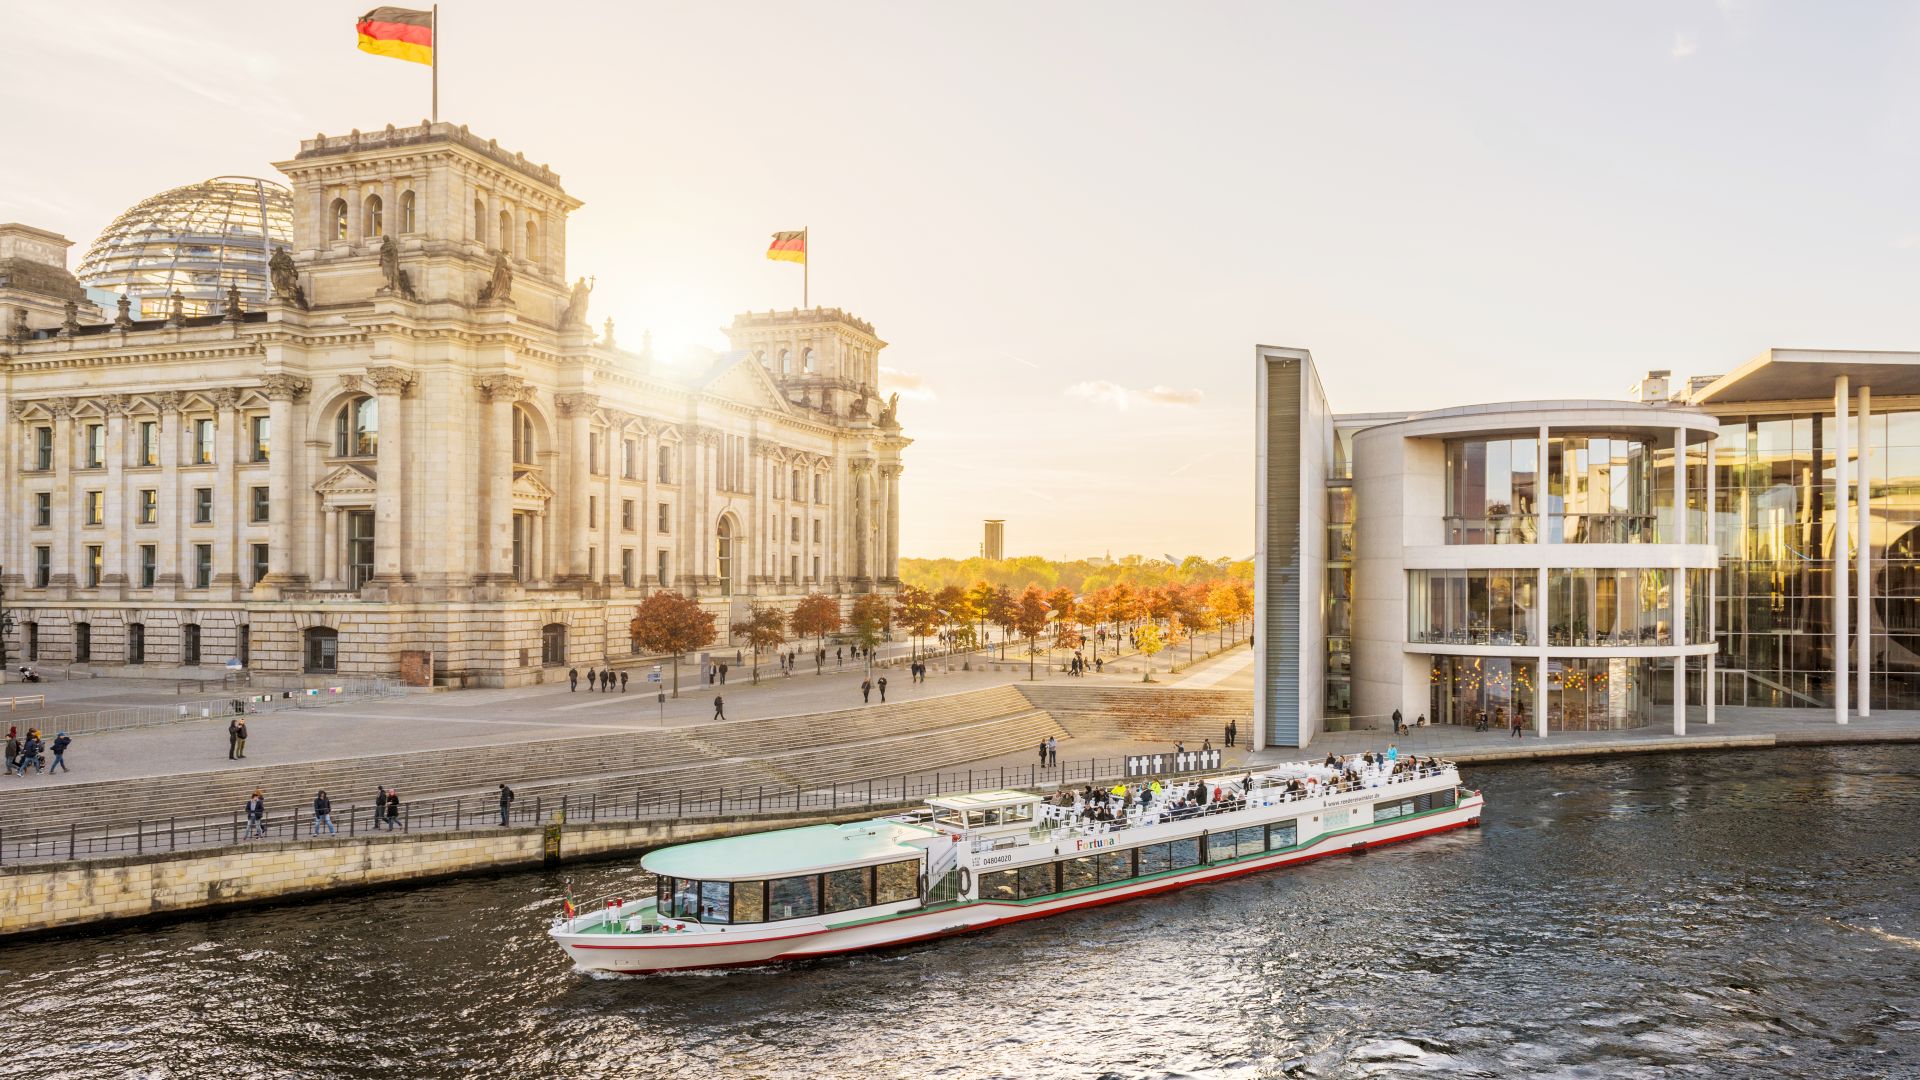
(906, 383)
(1683, 46)
(1102, 392)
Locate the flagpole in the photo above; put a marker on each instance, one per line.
(806, 268)
(434, 57)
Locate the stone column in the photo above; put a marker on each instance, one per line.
(1840, 542)
(1712, 687)
(496, 478)
(117, 557)
(330, 576)
(893, 521)
(66, 566)
(1863, 558)
(862, 472)
(578, 409)
(610, 535)
(283, 455)
(537, 546)
(14, 545)
(389, 384)
(226, 503)
(171, 497)
(649, 518)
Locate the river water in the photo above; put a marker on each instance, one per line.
(1749, 914)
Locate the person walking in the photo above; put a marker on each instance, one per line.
(719, 707)
(257, 814)
(506, 804)
(1053, 752)
(322, 813)
(1043, 753)
(1516, 725)
(14, 759)
(240, 736)
(393, 808)
(882, 684)
(60, 744)
(233, 738)
(623, 682)
(866, 691)
(723, 674)
(573, 680)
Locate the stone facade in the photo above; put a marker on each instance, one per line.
(419, 444)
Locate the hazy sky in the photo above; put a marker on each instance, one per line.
(1073, 221)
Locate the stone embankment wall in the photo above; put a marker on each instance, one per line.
(48, 896)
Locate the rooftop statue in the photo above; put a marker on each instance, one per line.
(576, 313)
(499, 289)
(398, 283)
(285, 279)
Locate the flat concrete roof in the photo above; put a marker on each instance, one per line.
(1808, 374)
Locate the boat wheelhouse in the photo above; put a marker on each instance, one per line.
(968, 862)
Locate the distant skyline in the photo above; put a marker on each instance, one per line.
(1073, 221)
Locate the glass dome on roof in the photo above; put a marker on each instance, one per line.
(199, 240)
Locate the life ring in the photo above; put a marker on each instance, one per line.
(966, 881)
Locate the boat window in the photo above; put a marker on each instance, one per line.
(1155, 858)
(1282, 834)
(686, 898)
(1079, 873)
(1023, 812)
(979, 818)
(794, 897)
(1115, 865)
(663, 895)
(1000, 885)
(716, 901)
(1443, 798)
(1186, 852)
(848, 889)
(749, 901)
(896, 881)
(953, 819)
(1036, 880)
(1387, 811)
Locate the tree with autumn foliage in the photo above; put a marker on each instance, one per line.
(1148, 641)
(1223, 604)
(1061, 606)
(1003, 611)
(870, 618)
(1095, 608)
(980, 606)
(815, 616)
(914, 612)
(955, 610)
(1030, 619)
(764, 628)
(667, 623)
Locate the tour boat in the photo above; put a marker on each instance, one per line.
(969, 862)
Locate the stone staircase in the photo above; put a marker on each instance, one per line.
(1162, 714)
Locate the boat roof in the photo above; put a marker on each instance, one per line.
(983, 800)
(786, 852)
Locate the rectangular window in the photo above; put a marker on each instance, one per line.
(626, 515)
(593, 511)
(260, 504)
(33, 641)
(202, 566)
(1000, 885)
(1036, 880)
(1115, 865)
(96, 436)
(1079, 873)
(262, 440)
(895, 882)
(83, 641)
(794, 897)
(1154, 858)
(203, 442)
(42, 509)
(1186, 853)
(136, 643)
(626, 567)
(149, 505)
(96, 507)
(202, 506)
(593, 452)
(848, 889)
(664, 518)
(149, 565)
(816, 568)
(794, 533)
(259, 562)
(149, 443)
(793, 564)
(816, 530)
(665, 459)
(1283, 834)
(1390, 810)
(96, 560)
(42, 566)
(43, 448)
(660, 567)
(750, 901)
(716, 901)
(630, 460)
(190, 643)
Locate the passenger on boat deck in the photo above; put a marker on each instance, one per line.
(1331, 761)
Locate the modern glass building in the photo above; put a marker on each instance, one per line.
(196, 240)
(1747, 539)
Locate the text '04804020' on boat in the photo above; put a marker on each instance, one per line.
(969, 862)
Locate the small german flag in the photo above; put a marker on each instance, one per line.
(789, 247)
(566, 907)
(402, 33)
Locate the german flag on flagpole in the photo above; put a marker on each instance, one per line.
(789, 247)
(404, 34)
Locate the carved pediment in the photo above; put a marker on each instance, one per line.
(346, 480)
(746, 382)
(528, 487)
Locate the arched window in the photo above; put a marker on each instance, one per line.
(523, 448)
(723, 552)
(340, 219)
(553, 644)
(786, 361)
(356, 430)
(806, 361)
(480, 220)
(321, 644)
(506, 232)
(532, 250)
(406, 212)
(373, 222)
(761, 356)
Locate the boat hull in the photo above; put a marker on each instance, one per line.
(636, 954)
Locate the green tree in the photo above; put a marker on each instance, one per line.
(764, 628)
(667, 623)
(818, 616)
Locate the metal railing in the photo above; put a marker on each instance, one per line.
(76, 840)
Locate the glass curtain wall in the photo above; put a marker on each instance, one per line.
(1491, 484)
(1471, 607)
(1587, 607)
(1601, 489)
(1602, 694)
(1469, 690)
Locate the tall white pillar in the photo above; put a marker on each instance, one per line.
(330, 576)
(1711, 688)
(283, 449)
(1540, 524)
(1863, 591)
(1677, 592)
(1840, 542)
(390, 486)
